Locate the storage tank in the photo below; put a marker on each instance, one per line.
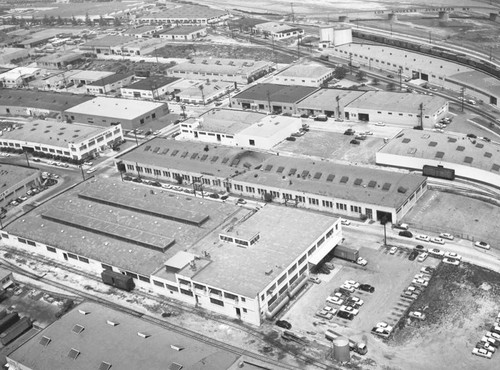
(341, 350)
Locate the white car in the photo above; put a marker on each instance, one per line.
(329, 309)
(420, 282)
(314, 279)
(481, 353)
(335, 300)
(381, 332)
(417, 315)
(453, 255)
(379, 124)
(447, 236)
(422, 237)
(357, 300)
(492, 335)
(384, 326)
(422, 257)
(91, 170)
(352, 283)
(345, 222)
(482, 245)
(393, 250)
(422, 276)
(486, 345)
(88, 163)
(368, 133)
(349, 288)
(451, 261)
(436, 252)
(361, 261)
(437, 240)
(349, 309)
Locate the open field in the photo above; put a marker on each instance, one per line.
(456, 214)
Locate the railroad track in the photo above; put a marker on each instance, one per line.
(165, 324)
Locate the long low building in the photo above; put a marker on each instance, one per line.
(187, 15)
(469, 158)
(60, 139)
(15, 181)
(319, 185)
(243, 263)
(106, 111)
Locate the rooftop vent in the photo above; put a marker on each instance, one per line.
(406, 140)
(143, 335)
(104, 366)
(344, 179)
(358, 182)
(77, 329)
(330, 178)
(83, 312)
(452, 140)
(460, 148)
(439, 155)
(487, 155)
(468, 160)
(495, 167)
(386, 186)
(433, 143)
(402, 190)
(176, 348)
(372, 184)
(73, 353)
(112, 323)
(44, 341)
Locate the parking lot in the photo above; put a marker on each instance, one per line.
(389, 274)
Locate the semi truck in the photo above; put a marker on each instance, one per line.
(117, 280)
(358, 347)
(346, 253)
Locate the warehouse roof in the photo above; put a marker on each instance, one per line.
(139, 30)
(131, 226)
(327, 99)
(449, 147)
(54, 133)
(189, 156)
(276, 27)
(10, 175)
(398, 102)
(93, 336)
(306, 71)
(275, 93)
(221, 66)
(183, 30)
(17, 72)
(189, 12)
(111, 79)
(228, 121)
(480, 80)
(109, 41)
(60, 57)
(49, 100)
(153, 82)
(115, 107)
(332, 180)
(284, 234)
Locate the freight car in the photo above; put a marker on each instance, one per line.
(439, 172)
(117, 280)
(15, 330)
(8, 321)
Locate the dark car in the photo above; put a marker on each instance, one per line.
(366, 288)
(413, 255)
(127, 178)
(406, 234)
(472, 136)
(284, 324)
(349, 132)
(345, 315)
(137, 179)
(291, 138)
(420, 248)
(355, 142)
(214, 196)
(156, 183)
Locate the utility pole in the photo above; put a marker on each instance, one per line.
(135, 134)
(269, 101)
(462, 97)
(274, 49)
(27, 160)
(337, 98)
(83, 174)
(299, 38)
(350, 63)
(293, 13)
(421, 115)
(400, 71)
(430, 37)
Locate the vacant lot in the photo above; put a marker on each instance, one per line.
(457, 214)
(333, 145)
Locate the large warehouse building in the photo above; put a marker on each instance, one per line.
(319, 185)
(15, 181)
(469, 158)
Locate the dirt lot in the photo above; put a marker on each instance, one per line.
(333, 145)
(471, 217)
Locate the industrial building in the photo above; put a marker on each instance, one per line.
(11, 54)
(330, 36)
(142, 31)
(37, 103)
(69, 140)
(471, 158)
(154, 87)
(187, 15)
(325, 186)
(183, 33)
(110, 84)
(273, 98)
(204, 92)
(20, 76)
(240, 128)
(104, 111)
(15, 181)
(59, 60)
(104, 44)
(233, 70)
(330, 102)
(278, 31)
(313, 75)
(93, 336)
(88, 77)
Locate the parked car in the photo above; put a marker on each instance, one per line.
(324, 314)
(349, 309)
(423, 257)
(366, 288)
(427, 270)
(291, 138)
(379, 124)
(422, 237)
(451, 261)
(413, 255)
(91, 170)
(314, 279)
(393, 250)
(453, 255)
(361, 261)
(381, 332)
(345, 315)
(352, 283)
(447, 236)
(335, 300)
(284, 324)
(420, 248)
(241, 201)
(347, 288)
(493, 335)
(345, 222)
(482, 245)
(481, 352)
(409, 294)
(406, 234)
(354, 142)
(356, 300)
(385, 326)
(214, 196)
(436, 252)
(437, 240)
(417, 315)
(421, 282)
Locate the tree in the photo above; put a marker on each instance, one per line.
(201, 87)
(340, 73)
(376, 81)
(60, 21)
(74, 22)
(361, 75)
(45, 20)
(88, 21)
(102, 21)
(391, 86)
(117, 22)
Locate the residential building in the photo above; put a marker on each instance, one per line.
(183, 33)
(278, 31)
(59, 60)
(275, 98)
(239, 128)
(234, 70)
(204, 92)
(110, 84)
(93, 336)
(313, 75)
(104, 111)
(20, 76)
(15, 181)
(345, 190)
(30, 103)
(187, 15)
(69, 140)
(473, 159)
(154, 88)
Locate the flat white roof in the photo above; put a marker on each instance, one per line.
(270, 125)
(305, 70)
(115, 107)
(19, 72)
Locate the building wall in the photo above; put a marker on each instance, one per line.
(109, 88)
(263, 105)
(302, 81)
(183, 37)
(19, 189)
(26, 111)
(145, 94)
(195, 21)
(301, 199)
(468, 172)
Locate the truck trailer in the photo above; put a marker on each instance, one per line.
(346, 253)
(117, 280)
(15, 330)
(8, 321)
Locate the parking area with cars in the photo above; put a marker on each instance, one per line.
(310, 316)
